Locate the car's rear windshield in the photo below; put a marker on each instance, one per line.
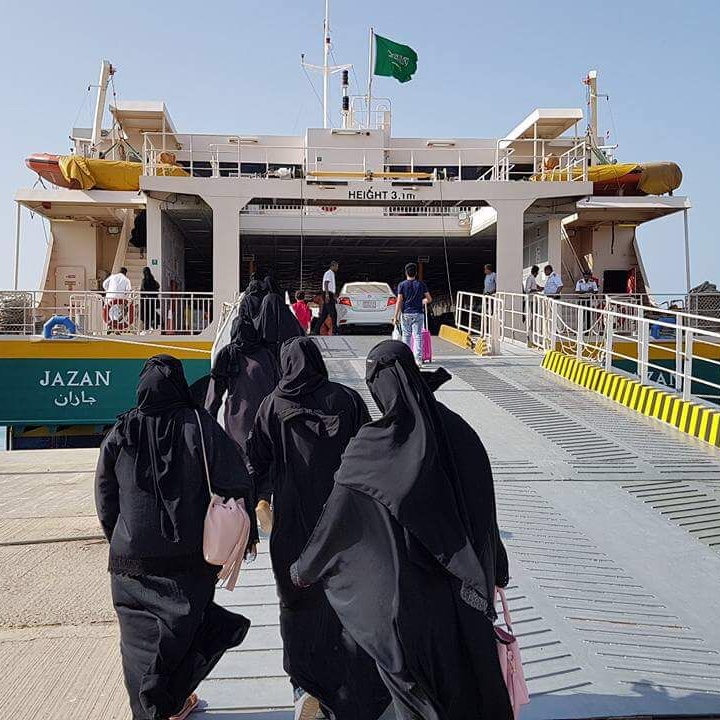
(368, 288)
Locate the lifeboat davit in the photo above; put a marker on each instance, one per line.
(47, 166)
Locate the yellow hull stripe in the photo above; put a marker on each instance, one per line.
(690, 418)
(79, 349)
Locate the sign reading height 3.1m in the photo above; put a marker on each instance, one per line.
(372, 194)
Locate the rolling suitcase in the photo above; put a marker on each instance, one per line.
(427, 353)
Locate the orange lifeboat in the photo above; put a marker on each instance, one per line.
(48, 168)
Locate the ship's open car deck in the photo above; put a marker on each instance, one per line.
(612, 522)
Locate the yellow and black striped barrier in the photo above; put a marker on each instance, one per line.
(692, 418)
(453, 335)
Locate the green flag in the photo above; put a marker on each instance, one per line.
(394, 60)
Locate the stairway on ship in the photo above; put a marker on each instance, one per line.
(135, 261)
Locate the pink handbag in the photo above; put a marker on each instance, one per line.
(510, 661)
(227, 529)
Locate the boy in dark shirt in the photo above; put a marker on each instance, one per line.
(412, 296)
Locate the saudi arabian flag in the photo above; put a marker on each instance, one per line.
(394, 60)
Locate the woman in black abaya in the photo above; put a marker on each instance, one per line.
(151, 496)
(409, 553)
(300, 433)
(276, 323)
(248, 372)
(253, 297)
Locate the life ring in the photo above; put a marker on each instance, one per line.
(59, 321)
(118, 313)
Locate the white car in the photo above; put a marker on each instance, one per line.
(365, 303)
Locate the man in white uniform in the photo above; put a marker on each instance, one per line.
(329, 290)
(117, 285)
(586, 285)
(490, 283)
(117, 294)
(530, 287)
(553, 283)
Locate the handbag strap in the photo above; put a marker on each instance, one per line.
(506, 609)
(204, 454)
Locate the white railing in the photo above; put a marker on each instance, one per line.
(537, 160)
(482, 316)
(672, 349)
(240, 156)
(167, 313)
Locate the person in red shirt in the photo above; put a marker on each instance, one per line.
(302, 311)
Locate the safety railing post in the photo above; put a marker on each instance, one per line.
(553, 324)
(679, 331)
(495, 338)
(609, 333)
(579, 333)
(688, 365)
(643, 350)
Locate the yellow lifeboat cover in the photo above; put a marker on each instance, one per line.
(109, 174)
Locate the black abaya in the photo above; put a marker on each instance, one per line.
(412, 516)
(300, 433)
(276, 323)
(248, 372)
(151, 497)
(252, 299)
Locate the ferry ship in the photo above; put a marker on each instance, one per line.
(205, 211)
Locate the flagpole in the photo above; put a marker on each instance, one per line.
(370, 75)
(326, 67)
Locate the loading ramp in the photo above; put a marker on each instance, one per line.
(612, 524)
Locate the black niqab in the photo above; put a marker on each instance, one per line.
(244, 340)
(252, 298)
(426, 496)
(245, 372)
(162, 396)
(276, 323)
(302, 366)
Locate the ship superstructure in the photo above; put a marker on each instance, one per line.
(204, 211)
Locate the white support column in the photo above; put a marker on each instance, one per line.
(555, 245)
(509, 247)
(154, 240)
(226, 248)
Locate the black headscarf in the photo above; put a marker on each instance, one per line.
(163, 396)
(244, 340)
(276, 323)
(453, 519)
(303, 368)
(253, 297)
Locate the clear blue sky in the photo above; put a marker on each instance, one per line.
(234, 67)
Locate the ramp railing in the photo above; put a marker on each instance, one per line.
(671, 349)
(95, 313)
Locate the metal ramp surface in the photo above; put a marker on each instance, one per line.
(612, 523)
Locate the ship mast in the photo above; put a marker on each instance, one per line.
(106, 71)
(326, 69)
